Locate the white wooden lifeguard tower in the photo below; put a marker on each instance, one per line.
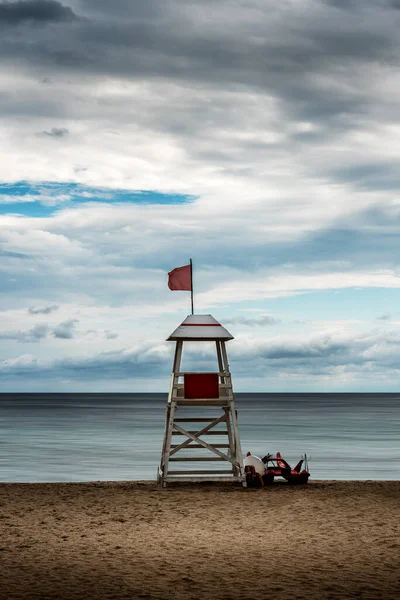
(193, 393)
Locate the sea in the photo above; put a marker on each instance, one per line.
(118, 437)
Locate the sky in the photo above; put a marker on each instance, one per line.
(258, 138)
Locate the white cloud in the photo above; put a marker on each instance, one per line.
(255, 287)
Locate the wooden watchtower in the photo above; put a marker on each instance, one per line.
(193, 397)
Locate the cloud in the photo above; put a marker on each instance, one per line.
(325, 346)
(65, 330)
(256, 322)
(56, 132)
(36, 334)
(312, 85)
(385, 317)
(294, 282)
(139, 361)
(277, 120)
(34, 11)
(119, 255)
(347, 355)
(332, 359)
(21, 365)
(12, 254)
(111, 335)
(101, 333)
(45, 310)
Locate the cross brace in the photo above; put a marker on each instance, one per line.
(196, 438)
(225, 452)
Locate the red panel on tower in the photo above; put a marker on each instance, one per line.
(201, 385)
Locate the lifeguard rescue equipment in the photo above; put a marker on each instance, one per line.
(254, 469)
(276, 466)
(254, 461)
(189, 393)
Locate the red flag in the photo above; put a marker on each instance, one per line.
(180, 279)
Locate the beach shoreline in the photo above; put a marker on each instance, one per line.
(132, 539)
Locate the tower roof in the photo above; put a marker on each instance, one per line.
(200, 328)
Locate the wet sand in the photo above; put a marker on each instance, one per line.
(133, 540)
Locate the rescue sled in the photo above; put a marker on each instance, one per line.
(262, 471)
(276, 466)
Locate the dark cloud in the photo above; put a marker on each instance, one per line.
(109, 365)
(65, 330)
(224, 44)
(294, 351)
(56, 132)
(352, 5)
(39, 332)
(343, 4)
(357, 248)
(118, 365)
(36, 334)
(385, 317)
(369, 176)
(36, 11)
(372, 354)
(45, 310)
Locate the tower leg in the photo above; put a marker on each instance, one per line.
(238, 448)
(169, 422)
(232, 445)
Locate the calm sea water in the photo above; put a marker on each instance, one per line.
(92, 437)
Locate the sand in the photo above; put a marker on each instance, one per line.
(134, 540)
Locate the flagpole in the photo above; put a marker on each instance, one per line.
(191, 284)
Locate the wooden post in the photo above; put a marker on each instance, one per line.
(219, 357)
(232, 449)
(177, 357)
(168, 436)
(225, 357)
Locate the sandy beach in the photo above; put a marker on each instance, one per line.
(134, 540)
